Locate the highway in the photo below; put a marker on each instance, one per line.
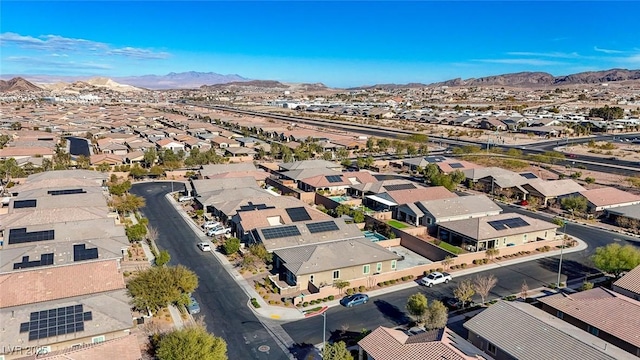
(620, 167)
(223, 303)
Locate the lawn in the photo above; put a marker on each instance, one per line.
(451, 248)
(396, 224)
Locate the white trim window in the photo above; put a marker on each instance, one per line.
(394, 264)
(336, 274)
(379, 267)
(98, 339)
(366, 269)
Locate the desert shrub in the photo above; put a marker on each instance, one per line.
(362, 288)
(349, 291)
(331, 297)
(439, 269)
(463, 265)
(405, 278)
(305, 304)
(392, 281)
(380, 284)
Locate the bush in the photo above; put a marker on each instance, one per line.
(386, 282)
(362, 288)
(299, 305)
(231, 246)
(498, 257)
(380, 284)
(349, 291)
(392, 281)
(475, 261)
(463, 265)
(255, 304)
(331, 297)
(439, 269)
(305, 304)
(405, 278)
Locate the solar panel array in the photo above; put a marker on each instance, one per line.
(54, 322)
(323, 226)
(399, 187)
(456, 166)
(529, 176)
(251, 207)
(298, 214)
(45, 259)
(280, 232)
(19, 236)
(22, 204)
(334, 178)
(66, 192)
(511, 223)
(80, 253)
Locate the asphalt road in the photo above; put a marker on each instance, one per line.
(223, 303)
(389, 309)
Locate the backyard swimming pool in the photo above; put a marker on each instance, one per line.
(339, 198)
(374, 236)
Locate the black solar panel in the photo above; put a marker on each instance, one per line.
(511, 223)
(21, 204)
(399, 187)
(19, 236)
(456, 166)
(80, 253)
(529, 176)
(45, 259)
(322, 227)
(334, 178)
(251, 206)
(55, 322)
(66, 192)
(280, 232)
(298, 214)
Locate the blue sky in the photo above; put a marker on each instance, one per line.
(337, 43)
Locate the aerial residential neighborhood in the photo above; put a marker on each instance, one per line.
(355, 181)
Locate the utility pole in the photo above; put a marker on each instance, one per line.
(564, 234)
(324, 329)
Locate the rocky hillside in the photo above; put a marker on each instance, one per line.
(536, 79)
(183, 80)
(17, 84)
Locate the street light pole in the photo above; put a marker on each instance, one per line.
(564, 233)
(324, 329)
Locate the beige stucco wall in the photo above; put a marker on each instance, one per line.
(29, 349)
(348, 274)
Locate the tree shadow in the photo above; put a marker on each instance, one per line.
(392, 312)
(350, 338)
(572, 269)
(303, 351)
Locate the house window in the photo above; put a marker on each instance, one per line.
(545, 234)
(378, 267)
(393, 264)
(491, 349)
(429, 221)
(311, 278)
(97, 339)
(560, 315)
(524, 237)
(366, 269)
(594, 331)
(336, 274)
(504, 241)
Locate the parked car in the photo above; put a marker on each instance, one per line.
(220, 230)
(455, 304)
(204, 246)
(355, 299)
(211, 224)
(193, 306)
(185, 198)
(435, 278)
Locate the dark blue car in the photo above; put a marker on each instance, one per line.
(355, 299)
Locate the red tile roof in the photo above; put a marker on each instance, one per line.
(46, 284)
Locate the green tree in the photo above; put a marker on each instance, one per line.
(137, 172)
(119, 188)
(156, 171)
(191, 343)
(83, 162)
(615, 258)
(163, 258)
(574, 203)
(383, 144)
(231, 246)
(127, 203)
(136, 232)
(438, 315)
(336, 351)
(358, 217)
(607, 113)
(417, 306)
(261, 253)
(340, 284)
(159, 286)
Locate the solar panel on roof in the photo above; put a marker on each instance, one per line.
(22, 204)
(456, 166)
(45, 260)
(81, 253)
(322, 227)
(55, 322)
(399, 187)
(511, 223)
(20, 235)
(66, 192)
(529, 176)
(334, 178)
(280, 232)
(298, 214)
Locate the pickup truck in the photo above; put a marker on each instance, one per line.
(435, 278)
(219, 230)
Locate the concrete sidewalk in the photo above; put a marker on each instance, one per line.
(284, 314)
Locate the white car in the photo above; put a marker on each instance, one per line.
(219, 230)
(211, 224)
(435, 278)
(204, 246)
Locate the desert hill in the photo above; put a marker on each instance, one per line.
(17, 84)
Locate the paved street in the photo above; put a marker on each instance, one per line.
(223, 303)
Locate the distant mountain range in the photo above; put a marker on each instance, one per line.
(213, 81)
(184, 80)
(527, 79)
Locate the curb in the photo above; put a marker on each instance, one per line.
(315, 313)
